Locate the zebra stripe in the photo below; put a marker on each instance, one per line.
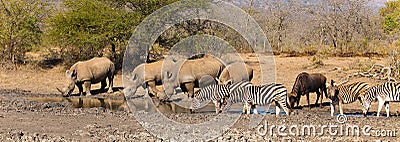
(236, 91)
(265, 95)
(215, 93)
(385, 93)
(345, 94)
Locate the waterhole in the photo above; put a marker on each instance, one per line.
(118, 103)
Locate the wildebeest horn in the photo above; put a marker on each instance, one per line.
(59, 90)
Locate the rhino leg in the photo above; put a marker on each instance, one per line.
(86, 86)
(103, 84)
(80, 88)
(110, 83)
(190, 87)
(152, 86)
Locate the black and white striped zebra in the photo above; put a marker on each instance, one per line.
(236, 95)
(385, 93)
(265, 95)
(215, 93)
(345, 94)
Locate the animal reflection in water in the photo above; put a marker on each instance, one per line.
(140, 103)
(87, 102)
(116, 103)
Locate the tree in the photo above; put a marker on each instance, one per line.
(281, 17)
(391, 20)
(88, 27)
(20, 28)
(391, 14)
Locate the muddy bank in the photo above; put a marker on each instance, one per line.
(36, 120)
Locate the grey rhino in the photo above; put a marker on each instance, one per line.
(235, 72)
(145, 74)
(89, 72)
(187, 77)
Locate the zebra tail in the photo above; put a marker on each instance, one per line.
(287, 103)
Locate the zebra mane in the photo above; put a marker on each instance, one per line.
(201, 94)
(372, 93)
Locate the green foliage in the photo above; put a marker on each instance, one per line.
(391, 15)
(20, 28)
(89, 26)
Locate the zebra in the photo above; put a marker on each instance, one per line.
(345, 94)
(265, 95)
(385, 93)
(215, 93)
(236, 91)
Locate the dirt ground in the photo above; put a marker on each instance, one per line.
(31, 109)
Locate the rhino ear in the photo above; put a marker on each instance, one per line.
(73, 74)
(229, 82)
(67, 73)
(134, 77)
(169, 74)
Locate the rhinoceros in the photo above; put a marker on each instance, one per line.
(236, 72)
(85, 73)
(145, 74)
(188, 76)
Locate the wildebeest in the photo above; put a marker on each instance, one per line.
(187, 77)
(85, 73)
(307, 83)
(146, 74)
(236, 72)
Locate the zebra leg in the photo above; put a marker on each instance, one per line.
(332, 108)
(227, 106)
(217, 104)
(248, 108)
(277, 109)
(387, 109)
(340, 107)
(254, 109)
(245, 109)
(284, 106)
(380, 105)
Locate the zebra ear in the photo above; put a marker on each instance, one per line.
(332, 83)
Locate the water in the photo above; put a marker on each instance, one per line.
(85, 102)
(360, 115)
